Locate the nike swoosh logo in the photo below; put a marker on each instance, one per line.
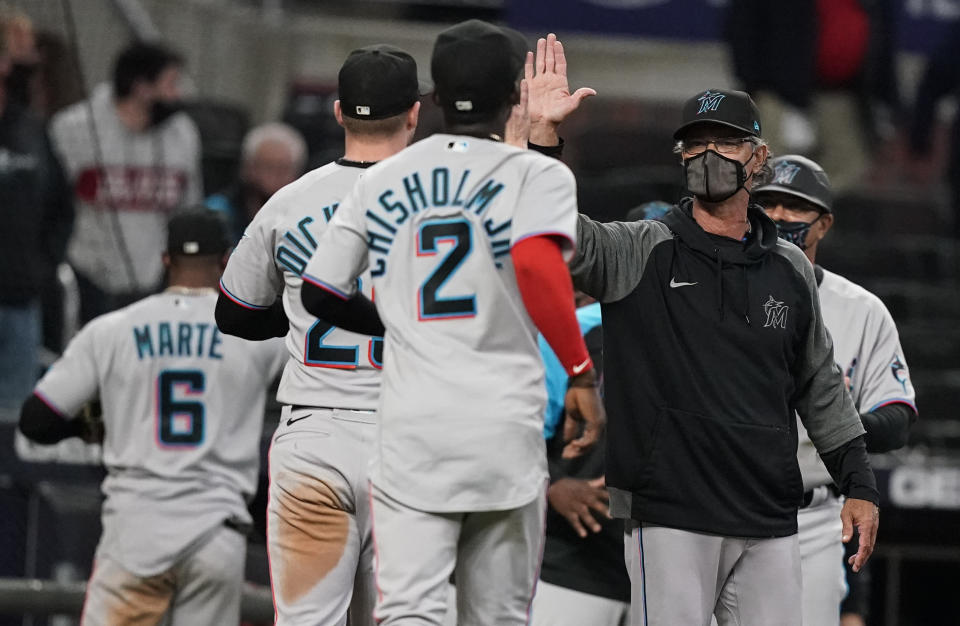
(578, 369)
(674, 284)
(291, 421)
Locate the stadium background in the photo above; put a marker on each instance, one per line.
(251, 61)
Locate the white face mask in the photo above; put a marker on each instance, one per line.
(712, 177)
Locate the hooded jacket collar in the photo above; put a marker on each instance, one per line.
(761, 240)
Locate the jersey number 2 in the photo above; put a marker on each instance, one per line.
(180, 411)
(430, 305)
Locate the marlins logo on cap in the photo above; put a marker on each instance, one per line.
(724, 107)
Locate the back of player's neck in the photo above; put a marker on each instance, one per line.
(371, 150)
(483, 131)
(195, 279)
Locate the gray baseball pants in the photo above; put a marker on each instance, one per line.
(683, 578)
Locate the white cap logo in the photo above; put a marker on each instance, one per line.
(191, 247)
(463, 105)
(363, 110)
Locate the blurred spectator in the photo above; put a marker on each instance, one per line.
(941, 78)
(22, 54)
(57, 83)
(273, 156)
(132, 159)
(37, 217)
(43, 78)
(790, 49)
(756, 28)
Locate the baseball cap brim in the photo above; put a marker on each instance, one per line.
(678, 134)
(791, 192)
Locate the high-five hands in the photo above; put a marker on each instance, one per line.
(550, 99)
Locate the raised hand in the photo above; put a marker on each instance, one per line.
(550, 98)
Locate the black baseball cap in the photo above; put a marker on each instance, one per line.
(197, 232)
(475, 67)
(800, 177)
(377, 82)
(727, 107)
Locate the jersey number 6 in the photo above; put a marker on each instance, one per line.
(180, 412)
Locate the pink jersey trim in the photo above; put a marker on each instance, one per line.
(895, 401)
(376, 552)
(86, 592)
(273, 591)
(236, 300)
(53, 407)
(316, 282)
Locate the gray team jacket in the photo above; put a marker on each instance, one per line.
(710, 345)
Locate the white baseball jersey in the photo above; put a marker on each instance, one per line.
(866, 346)
(461, 411)
(270, 259)
(143, 177)
(183, 412)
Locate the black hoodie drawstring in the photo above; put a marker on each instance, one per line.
(746, 292)
(719, 283)
(746, 296)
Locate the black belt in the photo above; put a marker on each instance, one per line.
(808, 495)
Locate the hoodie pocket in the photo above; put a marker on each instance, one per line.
(733, 474)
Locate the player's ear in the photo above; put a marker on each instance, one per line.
(166, 260)
(413, 116)
(826, 221)
(338, 112)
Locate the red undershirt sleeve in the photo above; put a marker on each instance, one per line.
(547, 292)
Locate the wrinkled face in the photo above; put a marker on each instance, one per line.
(271, 167)
(729, 142)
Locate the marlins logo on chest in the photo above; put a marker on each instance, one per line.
(776, 313)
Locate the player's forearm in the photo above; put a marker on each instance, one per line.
(888, 427)
(251, 324)
(357, 314)
(547, 293)
(40, 423)
(850, 469)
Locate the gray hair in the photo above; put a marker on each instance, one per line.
(276, 131)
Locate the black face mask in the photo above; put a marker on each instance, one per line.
(18, 82)
(161, 110)
(713, 177)
(795, 232)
